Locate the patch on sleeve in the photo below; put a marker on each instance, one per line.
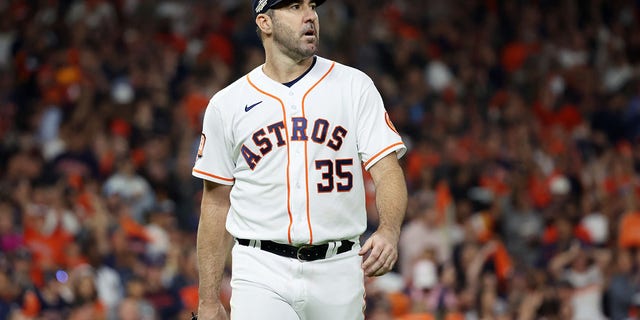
(203, 139)
(389, 123)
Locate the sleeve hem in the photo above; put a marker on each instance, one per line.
(212, 177)
(399, 147)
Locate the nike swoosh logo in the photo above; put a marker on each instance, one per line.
(247, 108)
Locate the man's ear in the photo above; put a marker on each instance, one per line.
(264, 23)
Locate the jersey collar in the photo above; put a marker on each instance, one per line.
(302, 84)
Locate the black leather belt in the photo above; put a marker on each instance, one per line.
(302, 253)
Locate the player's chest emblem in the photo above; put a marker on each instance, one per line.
(276, 135)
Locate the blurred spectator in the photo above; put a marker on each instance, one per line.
(108, 282)
(623, 290)
(55, 295)
(86, 301)
(160, 220)
(583, 271)
(442, 298)
(11, 238)
(132, 188)
(522, 226)
(48, 227)
(76, 158)
(167, 302)
(628, 234)
(129, 309)
(419, 235)
(8, 292)
(135, 305)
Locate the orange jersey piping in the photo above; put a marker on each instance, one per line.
(381, 152)
(213, 175)
(286, 130)
(306, 154)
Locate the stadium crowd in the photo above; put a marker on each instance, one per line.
(522, 120)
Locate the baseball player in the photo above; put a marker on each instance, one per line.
(282, 155)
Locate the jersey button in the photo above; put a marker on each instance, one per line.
(290, 93)
(294, 107)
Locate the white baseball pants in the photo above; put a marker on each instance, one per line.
(267, 286)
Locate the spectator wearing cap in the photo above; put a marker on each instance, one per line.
(157, 289)
(133, 189)
(160, 220)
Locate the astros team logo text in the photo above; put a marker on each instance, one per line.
(265, 138)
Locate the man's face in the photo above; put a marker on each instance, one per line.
(296, 29)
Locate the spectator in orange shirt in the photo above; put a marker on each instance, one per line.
(629, 230)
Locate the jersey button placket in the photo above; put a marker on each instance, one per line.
(296, 170)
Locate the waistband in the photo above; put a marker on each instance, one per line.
(303, 252)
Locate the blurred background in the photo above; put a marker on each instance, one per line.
(522, 120)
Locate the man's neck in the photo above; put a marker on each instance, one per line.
(285, 69)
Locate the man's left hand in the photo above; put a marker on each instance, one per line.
(382, 249)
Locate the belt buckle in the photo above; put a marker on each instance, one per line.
(299, 251)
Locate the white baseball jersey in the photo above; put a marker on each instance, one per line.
(294, 155)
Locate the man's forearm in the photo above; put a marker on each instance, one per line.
(391, 201)
(213, 240)
(391, 194)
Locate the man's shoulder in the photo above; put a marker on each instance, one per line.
(342, 68)
(232, 91)
(345, 72)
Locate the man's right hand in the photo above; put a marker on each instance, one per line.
(212, 311)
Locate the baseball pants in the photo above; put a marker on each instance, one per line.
(267, 286)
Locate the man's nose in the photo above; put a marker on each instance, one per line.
(309, 13)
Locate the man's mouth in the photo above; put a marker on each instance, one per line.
(310, 33)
